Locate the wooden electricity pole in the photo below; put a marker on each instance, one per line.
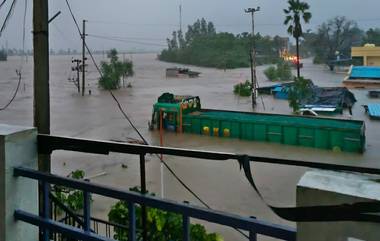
(83, 57)
(41, 75)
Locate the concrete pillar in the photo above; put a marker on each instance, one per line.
(331, 188)
(18, 147)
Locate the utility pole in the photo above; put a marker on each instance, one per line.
(253, 56)
(41, 101)
(41, 75)
(77, 68)
(84, 57)
(180, 18)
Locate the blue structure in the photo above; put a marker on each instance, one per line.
(373, 110)
(281, 92)
(365, 72)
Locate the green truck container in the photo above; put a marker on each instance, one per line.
(184, 114)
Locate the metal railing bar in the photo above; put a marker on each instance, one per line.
(261, 227)
(54, 226)
(46, 208)
(98, 220)
(47, 144)
(186, 228)
(132, 222)
(86, 211)
(67, 210)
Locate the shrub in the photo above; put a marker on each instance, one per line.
(284, 71)
(243, 89)
(271, 73)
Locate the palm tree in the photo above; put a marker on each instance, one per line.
(295, 12)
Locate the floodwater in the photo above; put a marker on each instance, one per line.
(221, 184)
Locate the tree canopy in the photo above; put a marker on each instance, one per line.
(113, 70)
(294, 14)
(201, 45)
(336, 37)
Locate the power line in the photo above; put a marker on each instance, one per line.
(126, 40)
(15, 93)
(9, 14)
(2, 3)
(137, 131)
(130, 38)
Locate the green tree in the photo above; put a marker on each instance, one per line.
(295, 12)
(298, 92)
(372, 36)
(114, 70)
(203, 46)
(335, 37)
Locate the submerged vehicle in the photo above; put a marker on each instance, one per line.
(184, 114)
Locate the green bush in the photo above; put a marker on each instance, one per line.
(271, 73)
(113, 71)
(161, 225)
(243, 89)
(282, 72)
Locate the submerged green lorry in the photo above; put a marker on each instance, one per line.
(184, 114)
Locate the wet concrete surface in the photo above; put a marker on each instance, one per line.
(221, 184)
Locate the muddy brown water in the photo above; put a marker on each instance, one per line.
(221, 184)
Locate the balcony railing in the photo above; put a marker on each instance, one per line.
(49, 226)
(48, 144)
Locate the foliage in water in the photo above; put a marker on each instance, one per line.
(243, 89)
(114, 70)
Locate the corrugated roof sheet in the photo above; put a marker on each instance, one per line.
(374, 110)
(365, 72)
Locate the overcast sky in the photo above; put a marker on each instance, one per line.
(145, 24)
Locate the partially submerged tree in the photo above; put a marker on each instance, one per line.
(295, 12)
(335, 37)
(114, 70)
(298, 92)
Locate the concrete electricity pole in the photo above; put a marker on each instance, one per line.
(83, 57)
(41, 75)
(180, 18)
(77, 68)
(253, 56)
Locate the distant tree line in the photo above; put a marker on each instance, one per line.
(335, 37)
(201, 45)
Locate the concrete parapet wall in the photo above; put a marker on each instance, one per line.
(18, 147)
(331, 188)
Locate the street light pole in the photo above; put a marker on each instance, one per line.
(253, 56)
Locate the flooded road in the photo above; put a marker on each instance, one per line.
(221, 184)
